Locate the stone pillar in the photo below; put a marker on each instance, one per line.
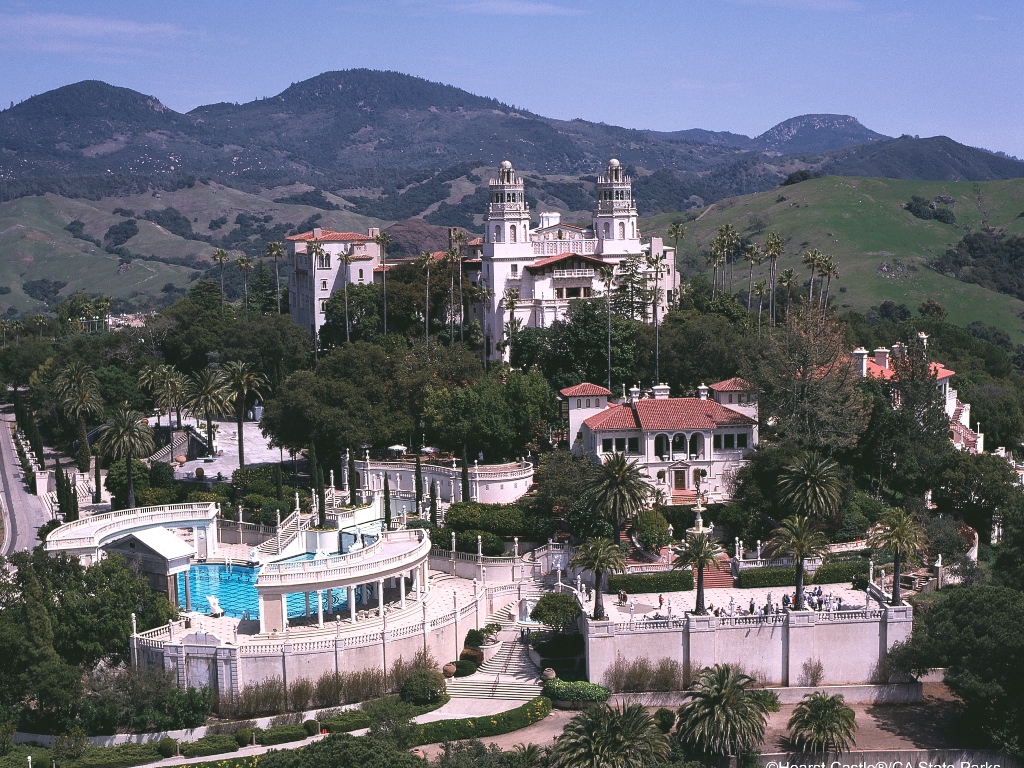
(799, 645)
(352, 602)
(188, 594)
(330, 602)
(416, 583)
(380, 597)
(700, 641)
(319, 609)
(401, 588)
(306, 595)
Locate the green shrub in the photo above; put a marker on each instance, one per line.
(243, 737)
(860, 581)
(465, 541)
(838, 573)
(312, 727)
(464, 668)
(121, 756)
(474, 638)
(561, 646)
(767, 577)
(352, 720)
(209, 745)
(562, 690)
(70, 745)
(557, 610)
(488, 725)
(769, 699)
(7, 737)
(473, 654)
(424, 686)
(281, 734)
(665, 718)
(648, 583)
(651, 530)
(167, 747)
(463, 516)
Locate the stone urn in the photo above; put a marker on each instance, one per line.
(417, 752)
(548, 674)
(448, 670)
(180, 458)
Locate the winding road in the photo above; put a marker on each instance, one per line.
(23, 513)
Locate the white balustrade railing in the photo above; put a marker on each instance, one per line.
(555, 247)
(94, 529)
(563, 273)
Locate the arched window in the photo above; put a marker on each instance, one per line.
(597, 403)
(622, 230)
(497, 233)
(679, 444)
(697, 445)
(360, 275)
(588, 402)
(607, 229)
(579, 403)
(661, 446)
(512, 233)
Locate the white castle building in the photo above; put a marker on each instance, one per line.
(532, 274)
(672, 438)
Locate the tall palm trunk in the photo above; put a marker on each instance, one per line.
(240, 420)
(348, 272)
(222, 287)
(277, 274)
(598, 595)
(426, 313)
(788, 297)
(897, 566)
(451, 308)
(771, 300)
(462, 306)
(810, 296)
(129, 479)
(209, 434)
(828, 285)
(608, 302)
(699, 608)
(799, 584)
(760, 302)
(750, 284)
(714, 281)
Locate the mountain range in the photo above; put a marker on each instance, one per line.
(374, 135)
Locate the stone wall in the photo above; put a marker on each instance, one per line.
(850, 645)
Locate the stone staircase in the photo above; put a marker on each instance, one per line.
(718, 576)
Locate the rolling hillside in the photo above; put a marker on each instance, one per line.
(881, 249)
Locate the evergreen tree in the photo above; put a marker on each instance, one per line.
(279, 482)
(353, 478)
(465, 475)
(387, 503)
(97, 491)
(419, 481)
(433, 505)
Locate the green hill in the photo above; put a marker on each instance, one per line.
(881, 249)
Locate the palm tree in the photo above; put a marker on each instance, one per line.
(5, 326)
(527, 755)
(730, 242)
(125, 437)
(207, 396)
(611, 737)
(451, 258)
(177, 386)
(754, 257)
(760, 290)
(698, 551)
(345, 254)
(713, 259)
(222, 257)
(901, 534)
(676, 231)
(16, 329)
(79, 391)
(812, 484)
(822, 723)
(424, 262)
(830, 270)
(383, 240)
(655, 263)
(275, 251)
(799, 536)
(618, 489)
(721, 716)
(459, 241)
(606, 274)
(774, 249)
(157, 379)
(812, 260)
(787, 280)
(512, 326)
(243, 381)
(486, 296)
(599, 556)
(244, 263)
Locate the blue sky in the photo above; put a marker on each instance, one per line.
(900, 66)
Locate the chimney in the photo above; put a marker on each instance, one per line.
(860, 361)
(702, 391)
(317, 233)
(660, 392)
(924, 339)
(899, 351)
(373, 231)
(882, 358)
(634, 393)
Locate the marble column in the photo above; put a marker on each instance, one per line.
(319, 609)
(380, 597)
(352, 602)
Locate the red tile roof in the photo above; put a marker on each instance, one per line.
(613, 417)
(562, 257)
(586, 389)
(475, 241)
(735, 384)
(686, 413)
(876, 371)
(327, 236)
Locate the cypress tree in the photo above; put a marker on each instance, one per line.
(387, 503)
(465, 475)
(74, 505)
(433, 505)
(279, 482)
(97, 493)
(62, 502)
(419, 481)
(82, 453)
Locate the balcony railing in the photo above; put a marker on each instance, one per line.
(559, 273)
(554, 247)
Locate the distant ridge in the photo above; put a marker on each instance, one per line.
(814, 133)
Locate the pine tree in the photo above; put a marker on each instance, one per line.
(387, 503)
(433, 505)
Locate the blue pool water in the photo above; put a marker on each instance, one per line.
(235, 590)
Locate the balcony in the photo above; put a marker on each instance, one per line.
(565, 273)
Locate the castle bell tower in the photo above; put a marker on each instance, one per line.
(508, 214)
(615, 220)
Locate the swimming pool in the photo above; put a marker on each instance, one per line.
(235, 590)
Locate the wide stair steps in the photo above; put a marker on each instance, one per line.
(718, 576)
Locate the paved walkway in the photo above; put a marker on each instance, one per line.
(23, 512)
(257, 451)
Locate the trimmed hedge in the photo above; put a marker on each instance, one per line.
(121, 756)
(562, 690)
(488, 725)
(646, 583)
(352, 720)
(767, 577)
(838, 573)
(209, 745)
(281, 734)
(465, 668)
